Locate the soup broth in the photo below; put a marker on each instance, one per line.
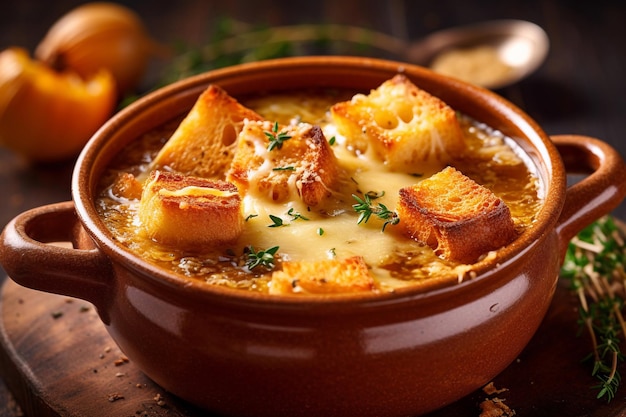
(331, 231)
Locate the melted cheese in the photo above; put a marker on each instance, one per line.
(332, 230)
(194, 191)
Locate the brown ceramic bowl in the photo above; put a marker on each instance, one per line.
(239, 353)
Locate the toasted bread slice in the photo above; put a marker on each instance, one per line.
(204, 142)
(407, 128)
(323, 277)
(190, 212)
(457, 217)
(302, 166)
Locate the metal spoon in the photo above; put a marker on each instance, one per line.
(493, 54)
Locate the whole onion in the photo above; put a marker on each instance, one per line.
(97, 36)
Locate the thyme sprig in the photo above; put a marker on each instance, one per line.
(366, 208)
(264, 258)
(295, 215)
(594, 266)
(276, 139)
(277, 221)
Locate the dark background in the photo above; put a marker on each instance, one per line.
(580, 89)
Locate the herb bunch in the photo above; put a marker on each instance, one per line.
(594, 267)
(234, 42)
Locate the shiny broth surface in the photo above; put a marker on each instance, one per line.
(492, 160)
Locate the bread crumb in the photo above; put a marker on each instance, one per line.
(159, 400)
(121, 361)
(495, 407)
(115, 397)
(491, 389)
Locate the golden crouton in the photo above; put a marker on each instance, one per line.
(284, 163)
(322, 277)
(408, 128)
(189, 212)
(204, 142)
(460, 219)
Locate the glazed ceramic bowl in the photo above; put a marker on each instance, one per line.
(246, 354)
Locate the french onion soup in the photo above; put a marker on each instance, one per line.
(320, 192)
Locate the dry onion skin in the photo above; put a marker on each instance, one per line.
(99, 35)
(48, 116)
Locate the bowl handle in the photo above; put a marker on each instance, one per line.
(597, 194)
(30, 258)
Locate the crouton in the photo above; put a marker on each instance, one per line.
(322, 277)
(189, 212)
(458, 218)
(204, 142)
(406, 127)
(284, 163)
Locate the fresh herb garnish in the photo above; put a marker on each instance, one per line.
(264, 258)
(295, 215)
(332, 141)
(276, 221)
(279, 222)
(287, 168)
(320, 231)
(594, 266)
(366, 208)
(251, 216)
(276, 139)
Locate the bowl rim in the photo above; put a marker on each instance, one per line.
(84, 180)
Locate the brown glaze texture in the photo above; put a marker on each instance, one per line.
(243, 354)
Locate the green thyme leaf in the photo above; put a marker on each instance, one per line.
(276, 139)
(264, 258)
(295, 215)
(366, 208)
(594, 267)
(277, 221)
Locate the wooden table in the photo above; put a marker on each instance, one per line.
(580, 89)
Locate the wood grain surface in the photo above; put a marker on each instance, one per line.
(60, 361)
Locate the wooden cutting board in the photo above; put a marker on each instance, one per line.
(58, 360)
